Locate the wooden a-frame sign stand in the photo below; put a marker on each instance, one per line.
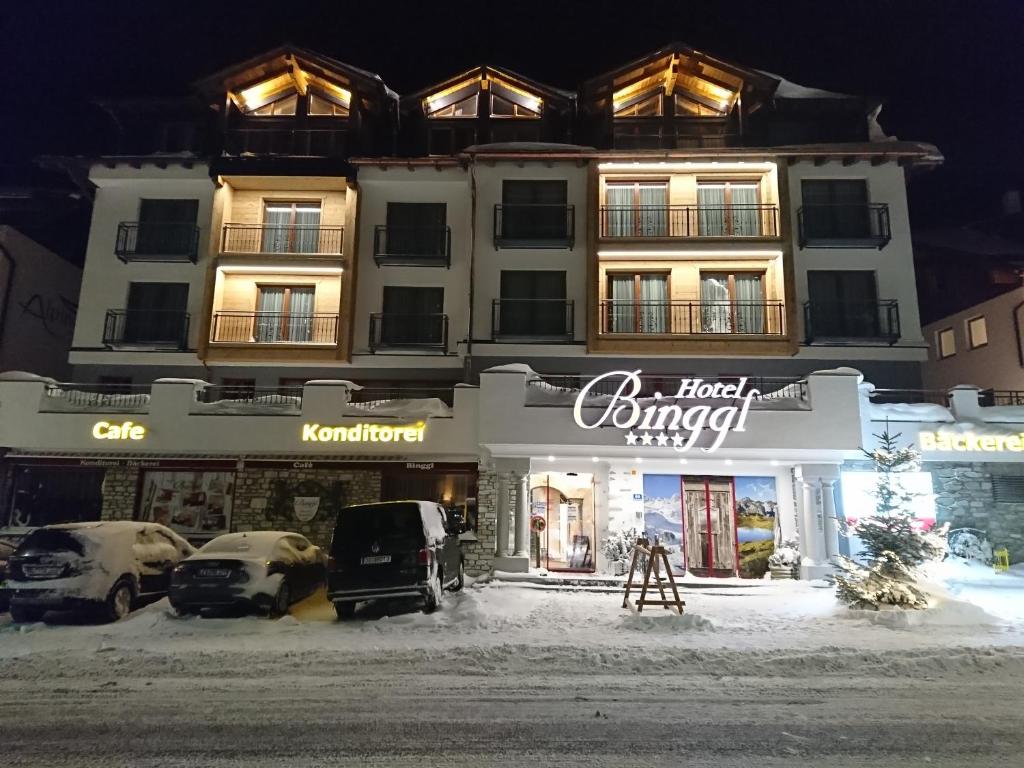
(656, 557)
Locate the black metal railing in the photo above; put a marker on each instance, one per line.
(668, 384)
(67, 396)
(646, 221)
(157, 241)
(412, 246)
(306, 142)
(534, 225)
(829, 320)
(146, 327)
(234, 394)
(654, 133)
(990, 397)
(408, 331)
(274, 327)
(325, 239)
(863, 225)
(760, 318)
(886, 396)
(533, 319)
(368, 398)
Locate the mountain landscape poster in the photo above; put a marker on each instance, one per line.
(757, 507)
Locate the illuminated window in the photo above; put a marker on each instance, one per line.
(649, 107)
(321, 107)
(977, 332)
(689, 108)
(501, 107)
(280, 108)
(945, 341)
(464, 108)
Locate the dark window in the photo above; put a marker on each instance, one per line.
(290, 386)
(456, 492)
(116, 385)
(836, 209)
(156, 312)
(844, 303)
(166, 227)
(416, 229)
(413, 316)
(238, 389)
(533, 304)
(51, 495)
(393, 526)
(534, 210)
(1007, 489)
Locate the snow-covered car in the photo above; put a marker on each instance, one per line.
(6, 550)
(103, 568)
(394, 549)
(261, 570)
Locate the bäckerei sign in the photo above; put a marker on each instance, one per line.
(678, 421)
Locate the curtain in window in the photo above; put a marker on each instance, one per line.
(619, 211)
(710, 211)
(715, 314)
(300, 315)
(307, 230)
(653, 304)
(653, 214)
(749, 304)
(268, 315)
(276, 229)
(621, 312)
(746, 219)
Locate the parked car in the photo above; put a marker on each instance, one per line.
(104, 568)
(393, 549)
(261, 570)
(6, 550)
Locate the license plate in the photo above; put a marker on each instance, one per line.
(214, 573)
(376, 559)
(41, 571)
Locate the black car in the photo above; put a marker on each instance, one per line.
(6, 550)
(256, 570)
(394, 549)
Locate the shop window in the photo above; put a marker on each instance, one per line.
(945, 343)
(565, 500)
(977, 332)
(455, 491)
(189, 503)
(53, 495)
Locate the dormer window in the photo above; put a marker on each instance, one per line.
(322, 107)
(465, 108)
(284, 107)
(501, 107)
(641, 106)
(689, 108)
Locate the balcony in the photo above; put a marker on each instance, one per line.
(412, 246)
(686, 318)
(235, 327)
(428, 332)
(826, 321)
(844, 226)
(686, 221)
(654, 133)
(307, 142)
(146, 328)
(535, 225)
(532, 320)
(157, 241)
(299, 239)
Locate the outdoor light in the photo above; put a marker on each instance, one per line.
(594, 459)
(728, 461)
(551, 458)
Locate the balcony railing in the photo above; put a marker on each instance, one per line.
(408, 331)
(412, 246)
(157, 241)
(680, 318)
(652, 221)
(826, 321)
(274, 328)
(369, 398)
(146, 328)
(990, 397)
(308, 142)
(233, 394)
(844, 226)
(653, 133)
(534, 225)
(89, 397)
(532, 320)
(322, 239)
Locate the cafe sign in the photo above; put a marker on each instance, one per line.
(665, 419)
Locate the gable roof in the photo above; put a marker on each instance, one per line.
(486, 71)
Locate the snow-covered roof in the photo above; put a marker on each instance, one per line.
(787, 89)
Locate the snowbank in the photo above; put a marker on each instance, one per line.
(923, 412)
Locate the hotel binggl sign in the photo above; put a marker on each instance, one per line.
(661, 420)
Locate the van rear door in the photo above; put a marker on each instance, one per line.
(378, 545)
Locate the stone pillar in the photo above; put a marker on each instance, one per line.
(502, 526)
(828, 510)
(522, 530)
(808, 520)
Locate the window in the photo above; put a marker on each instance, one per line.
(464, 108)
(636, 209)
(284, 313)
(641, 107)
(728, 209)
(501, 107)
(321, 107)
(836, 209)
(282, 107)
(291, 227)
(238, 389)
(116, 385)
(844, 303)
(638, 303)
(533, 304)
(52, 495)
(977, 332)
(188, 502)
(455, 491)
(416, 229)
(534, 210)
(166, 227)
(156, 313)
(413, 317)
(945, 343)
(685, 107)
(732, 302)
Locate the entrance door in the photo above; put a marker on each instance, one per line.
(566, 501)
(709, 511)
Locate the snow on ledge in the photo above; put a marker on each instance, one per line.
(928, 412)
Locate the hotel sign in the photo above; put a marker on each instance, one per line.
(969, 442)
(364, 433)
(677, 419)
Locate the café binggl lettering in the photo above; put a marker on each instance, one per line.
(655, 419)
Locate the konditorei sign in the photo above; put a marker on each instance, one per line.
(126, 430)
(662, 423)
(364, 433)
(969, 442)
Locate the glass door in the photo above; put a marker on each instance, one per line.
(566, 501)
(710, 525)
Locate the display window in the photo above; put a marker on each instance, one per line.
(565, 501)
(189, 503)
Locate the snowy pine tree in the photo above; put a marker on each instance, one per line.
(893, 547)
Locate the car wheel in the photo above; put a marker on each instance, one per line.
(345, 611)
(281, 601)
(23, 615)
(461, 581)
(434, 595)
(183, 610)
(119, 602)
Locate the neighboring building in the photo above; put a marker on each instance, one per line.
(682, 215)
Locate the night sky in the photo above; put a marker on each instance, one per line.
(951, 73)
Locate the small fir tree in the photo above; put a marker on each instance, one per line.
(893, 547)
